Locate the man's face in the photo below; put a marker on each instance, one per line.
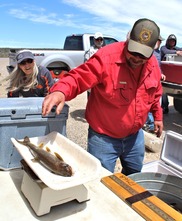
(135, 59)
(27, 66)
(171, 42)
(98, 42)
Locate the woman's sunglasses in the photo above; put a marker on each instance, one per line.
(29, 61)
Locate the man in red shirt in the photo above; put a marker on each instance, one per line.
(125, 81)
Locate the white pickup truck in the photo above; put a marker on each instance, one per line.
(59, 60)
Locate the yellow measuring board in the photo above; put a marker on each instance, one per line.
(142, 201)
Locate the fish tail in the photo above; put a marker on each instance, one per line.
(25, 141)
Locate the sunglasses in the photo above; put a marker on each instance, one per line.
(99, 39)
(28, 61)
(135, 54)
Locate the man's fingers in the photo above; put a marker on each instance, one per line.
(55, 99)
(46, 109)
(59, 108)
(47, 105)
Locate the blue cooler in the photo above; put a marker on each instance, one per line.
(20, 117)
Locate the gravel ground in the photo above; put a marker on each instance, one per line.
(77, 126)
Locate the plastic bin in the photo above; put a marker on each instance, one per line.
(20, 117)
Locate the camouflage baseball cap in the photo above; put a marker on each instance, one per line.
(143, 37)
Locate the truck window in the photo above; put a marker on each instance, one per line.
(107, 41)
(73, 43)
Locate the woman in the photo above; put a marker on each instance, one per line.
(27, 79)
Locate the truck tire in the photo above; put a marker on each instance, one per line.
(178, 105)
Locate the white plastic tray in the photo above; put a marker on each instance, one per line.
(85, 166)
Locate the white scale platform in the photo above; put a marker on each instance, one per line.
(42, 198)
(47, 189)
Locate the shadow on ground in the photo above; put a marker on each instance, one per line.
(78, 115)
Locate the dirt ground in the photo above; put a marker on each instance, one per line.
(77, 126)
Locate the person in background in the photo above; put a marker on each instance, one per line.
(149, 125)
(98, 43)
(169, 48)
(157, 52)
(27, 79)
(121, 76)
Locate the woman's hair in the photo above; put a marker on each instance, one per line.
(19, 80)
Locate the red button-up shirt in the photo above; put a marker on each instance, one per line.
(119, 103)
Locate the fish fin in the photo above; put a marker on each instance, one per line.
(58, 156)
(36, 159)
(48, 149)
(41, 145)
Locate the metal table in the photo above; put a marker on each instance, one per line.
(103, 203)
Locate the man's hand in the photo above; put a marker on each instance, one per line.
(179, 53)
(158, 127)
(163, 77)
(57, 99)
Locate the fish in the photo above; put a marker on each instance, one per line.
(54, 163)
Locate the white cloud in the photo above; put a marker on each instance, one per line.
(167, 14)
(110, 17)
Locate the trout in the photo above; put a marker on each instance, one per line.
(52, 162)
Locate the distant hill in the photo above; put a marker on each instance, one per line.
(5, 51)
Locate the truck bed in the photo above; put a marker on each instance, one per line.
(173, 71)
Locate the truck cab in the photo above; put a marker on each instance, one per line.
(84, 41)
(59, 61)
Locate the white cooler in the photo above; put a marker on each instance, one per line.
(162, 178)
(171, 156)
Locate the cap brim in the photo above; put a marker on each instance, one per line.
(161, 39)
(96, 37)
(172, 39)
(24, 58)
(145, 50)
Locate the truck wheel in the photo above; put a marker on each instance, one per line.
(56, 74)
(178, 105)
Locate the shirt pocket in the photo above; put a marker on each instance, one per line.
(150, 88)
(122, 93)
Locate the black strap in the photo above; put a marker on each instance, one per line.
(138, 197)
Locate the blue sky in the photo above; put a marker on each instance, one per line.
(46, 23)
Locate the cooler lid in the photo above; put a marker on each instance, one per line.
(171, 152)
(20, 107)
